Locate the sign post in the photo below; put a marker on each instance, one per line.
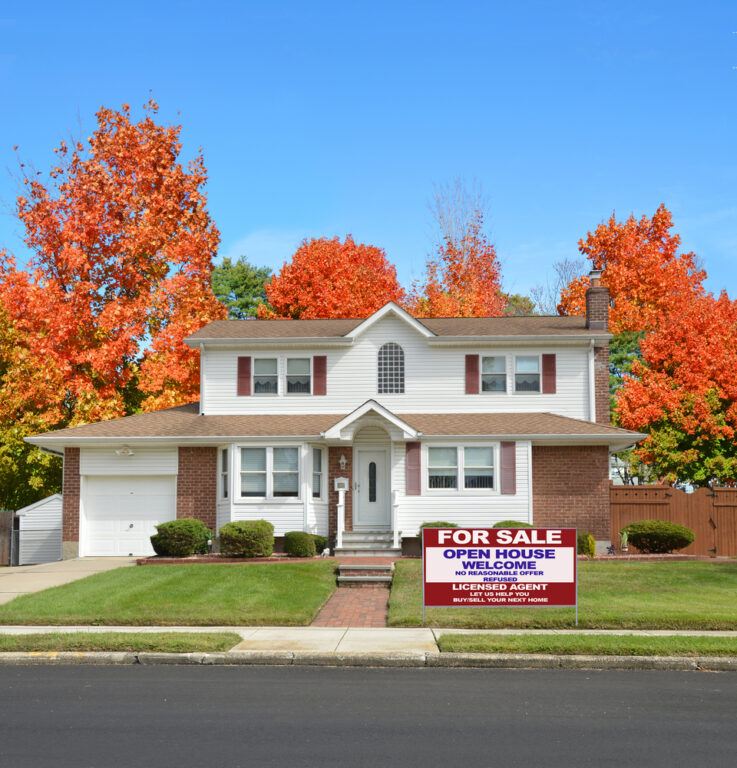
(468, 567)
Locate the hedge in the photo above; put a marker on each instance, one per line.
(247, 538)
(586, 544)
(658, 536)
(512, 524)
(182, 537)
(299, 544)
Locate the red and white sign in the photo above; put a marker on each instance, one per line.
(499, 566)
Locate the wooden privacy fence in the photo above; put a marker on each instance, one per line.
(711, 514)
(6, 531)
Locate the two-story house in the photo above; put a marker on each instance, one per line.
(468, 420)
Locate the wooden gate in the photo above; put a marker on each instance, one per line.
(711, 514)
(6, 531)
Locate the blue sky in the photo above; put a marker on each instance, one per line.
(327, 118)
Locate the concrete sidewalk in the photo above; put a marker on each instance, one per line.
(340, 640)
(24, 579)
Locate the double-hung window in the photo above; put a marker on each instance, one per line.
(527, 373)
(493, 374)
(298, 376)
(224, 473)
(442, 468)
(269, 473)
(464, 468)
(265, 376)
(316, 473)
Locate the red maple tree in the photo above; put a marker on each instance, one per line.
(329, 278)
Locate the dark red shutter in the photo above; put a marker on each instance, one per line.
(472, 374)
(414, 482)
(549, 374)
(319, 375)
(508, 469)
(244, 375)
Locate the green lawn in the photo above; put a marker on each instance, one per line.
(607, 645)
(170, 642)
(249, 594)
(611, 595)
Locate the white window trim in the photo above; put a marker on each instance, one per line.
(287, 358)
(539, 357)
(269, 498)
(460, 491)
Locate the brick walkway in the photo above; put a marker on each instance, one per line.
(355, 607)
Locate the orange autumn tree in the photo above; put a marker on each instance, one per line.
(684, 394)
(647, 277)
(122, 248)
(329, 278)
(463, 279)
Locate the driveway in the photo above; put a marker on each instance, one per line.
(23, 579)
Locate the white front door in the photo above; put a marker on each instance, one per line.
(371, 489)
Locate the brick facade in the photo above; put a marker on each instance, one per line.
(70, 503)
(601, 384)
(334, 470)
(570, 487)
(197, 484)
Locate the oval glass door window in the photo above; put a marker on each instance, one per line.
(372, 481)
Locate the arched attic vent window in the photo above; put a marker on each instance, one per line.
(391, 369)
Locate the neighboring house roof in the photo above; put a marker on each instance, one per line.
(185, 423)
(235, 330)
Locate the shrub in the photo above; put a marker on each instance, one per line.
(438, 524)
(658, 536)
(299, 544)
(180, 538)
(512, 524)
(320, 543)
(586, 544)
(247, 538)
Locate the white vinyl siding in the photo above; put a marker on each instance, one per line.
(142, 461)
(434, 378)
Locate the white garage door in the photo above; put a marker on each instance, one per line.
(120, 513)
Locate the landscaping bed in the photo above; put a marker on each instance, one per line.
(161, 642)
(284, 594)
(595, 645)
(611, 595)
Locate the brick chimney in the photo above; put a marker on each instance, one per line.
(597, 303)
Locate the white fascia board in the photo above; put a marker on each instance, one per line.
(370, 405)
(615, 442)
(394, 309)
(312, 341)
(59, 443)
(567, 340)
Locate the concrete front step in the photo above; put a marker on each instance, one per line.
(364, 575)
(368, 551)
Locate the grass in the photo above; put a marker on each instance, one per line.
(611, 595)
(288, 594)
(170, 642)
(600, 645)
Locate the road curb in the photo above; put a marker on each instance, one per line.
(386, 659)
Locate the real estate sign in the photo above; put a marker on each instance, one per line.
(499, 566)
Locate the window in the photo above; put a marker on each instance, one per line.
(253, 472)
(493, 374)
(478, 467)
(269, 473)
(442, 467)
(527, 374)
(298, 376)
(391, 369)
(265, 376)
(316, 473)
(224, 472)
(477, 463)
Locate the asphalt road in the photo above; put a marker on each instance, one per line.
(308, 716)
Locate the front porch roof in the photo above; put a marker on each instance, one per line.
(184, 425)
